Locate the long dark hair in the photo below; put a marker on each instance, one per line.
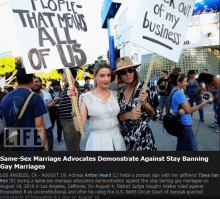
(191, 72)
(136, 79)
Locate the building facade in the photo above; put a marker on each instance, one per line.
(190, 59)
(201, 49)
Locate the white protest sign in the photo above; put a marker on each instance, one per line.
(199, 28)
(2, 84)
(136, 53)
(161, 26)
(52, 34)
(125, 24)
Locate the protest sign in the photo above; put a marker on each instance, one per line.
(135, 54)
(51, 34)
(203, 31)
(2, 84)
(161, 26)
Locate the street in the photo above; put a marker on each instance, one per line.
(207, 138)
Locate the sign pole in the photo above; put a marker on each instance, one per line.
(148, 75)
(74, 102)
(111, 43)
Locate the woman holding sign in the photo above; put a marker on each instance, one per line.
(102, 106)
(134, 121)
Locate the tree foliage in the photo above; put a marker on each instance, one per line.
(90, 67)
(117, 54)
(53, 75)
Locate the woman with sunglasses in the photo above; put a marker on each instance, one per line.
(180, 105)
(134, 121)
(102, 106)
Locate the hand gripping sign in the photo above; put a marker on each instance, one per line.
(148, 75)
(71, 82)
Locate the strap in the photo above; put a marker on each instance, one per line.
(179, 107)
(26, 102)
(171, 97)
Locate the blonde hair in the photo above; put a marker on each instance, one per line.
(98, 67)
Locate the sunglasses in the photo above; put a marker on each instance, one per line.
(124, 71)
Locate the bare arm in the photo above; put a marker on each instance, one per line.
(135, 114)
(124, 117)
(188, 109)
(150, 109)
(201, 87)
(216, 82)
(158, 88)
(39, 124)
(51, 103)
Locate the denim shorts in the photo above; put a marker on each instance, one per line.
(164, 101)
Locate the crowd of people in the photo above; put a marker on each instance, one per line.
(112, 107)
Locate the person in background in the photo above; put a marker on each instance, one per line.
(87, 86)
(9, 89)
(211, 80)
(71, 135)
(196, 74)
(33, 117)
(44, 87)
(50, 88)
(194, 91)
(37, 85)
(114, 86)
(188, 142)
(134, 121)
(217, 130)
(153, 80)
(54, 110)
(2, 94)
(170, 84)
(163, 93)
(205, 71)
(176, 71)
